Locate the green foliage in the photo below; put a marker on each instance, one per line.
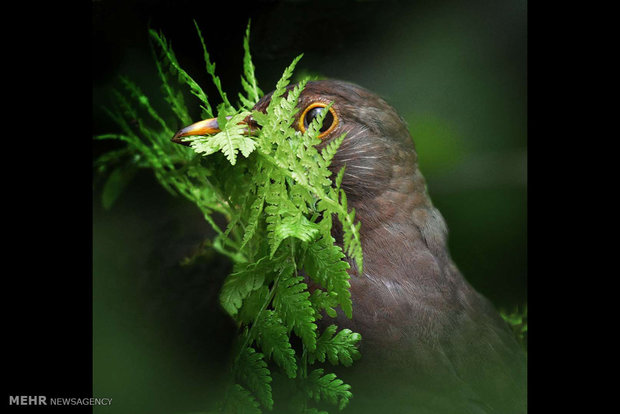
(226, 107)
(241, 401)
(291, 302)
(270, 334)
(230, 141)
(253, 372)
(248, 80)
(517, 319)
(340, 348)
(324, 262)
(276, 192)
(328, 387)
(238, 285)
(195, 89)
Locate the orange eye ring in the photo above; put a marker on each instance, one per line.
(302, 127)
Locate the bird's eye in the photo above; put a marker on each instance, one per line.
(311, 112)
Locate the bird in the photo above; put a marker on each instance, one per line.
(430, 342)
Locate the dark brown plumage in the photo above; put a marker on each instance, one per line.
(431, 343)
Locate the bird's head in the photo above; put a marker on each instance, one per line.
(378, 152)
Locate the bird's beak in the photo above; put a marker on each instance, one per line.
(205, 127)
(209, 127)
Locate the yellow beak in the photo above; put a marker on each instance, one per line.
(205, 127)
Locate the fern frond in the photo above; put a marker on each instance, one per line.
(324, 263)
(322, 300)
(297, 226)
(252, 305)
(327, 387)
(292, 303)
(248, 80)
(272, 337)
(351, 234)
(340, 348)
(211, 71)
(252, 371)
(256, 208)
(285, 80)
(327, 154)
(173, 97)
(351, 230)
(272, 122)
(232, 139)
(195, 89)
(143, 100)
(339, 177)
(238, 285)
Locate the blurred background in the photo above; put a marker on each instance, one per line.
(456, 71)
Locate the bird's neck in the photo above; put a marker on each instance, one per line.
(401, 219)
(404, 203)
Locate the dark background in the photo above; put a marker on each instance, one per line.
(456, 71)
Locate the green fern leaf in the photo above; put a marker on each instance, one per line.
(253, 373)
(272, 337)
(253, 304)
(248, 80)
(238, 285)
(256, 208)
(327, 387)
(282, 84)
(232, 139)
(211, 71)
(324, 263)
(195, 89)
(340, 348)
(322, 300)
(329, 151)
(173, 97)
(292, 304)
(297, 226)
